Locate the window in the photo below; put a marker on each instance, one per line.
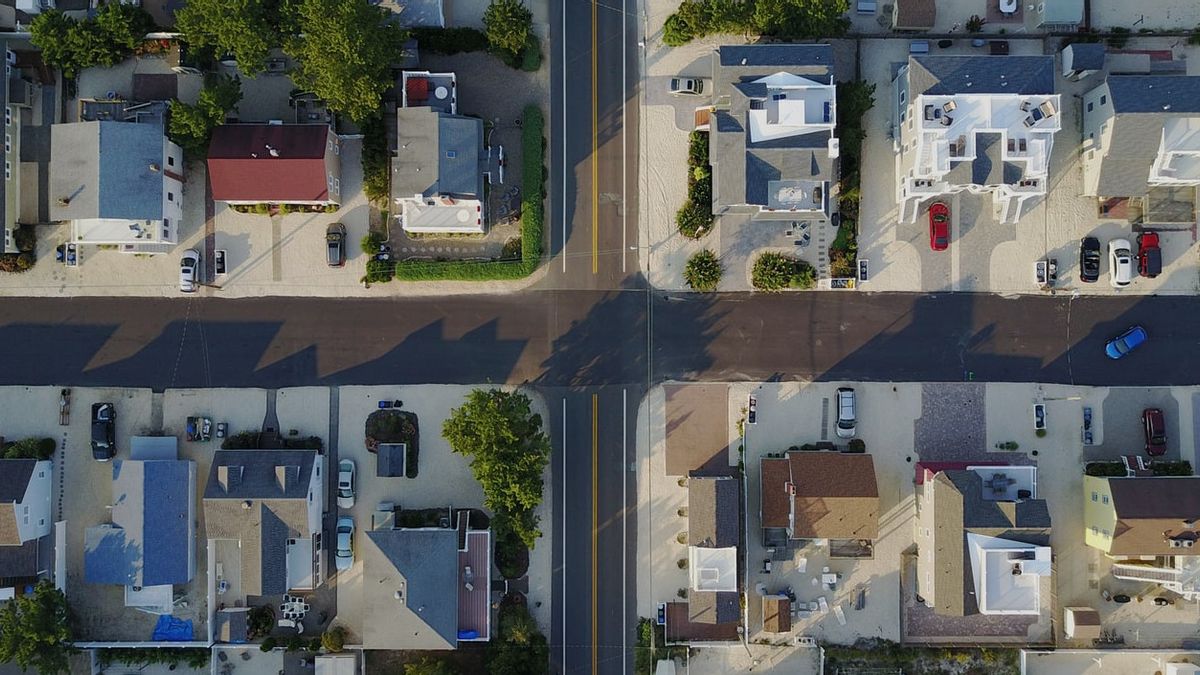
(7, 170)
(903, 115)
(1107, 534)
(337, 148)
(1104, 499)
(1103, 99)
(170, 161)
(170, 196)
(1090, 105)
(337, 186)
(903, 96)
(7, 143)
(1094, 530)
(8, 117)
(41, 474)
(1095, 496)
(41, 521)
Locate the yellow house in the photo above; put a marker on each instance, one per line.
(1099, 514)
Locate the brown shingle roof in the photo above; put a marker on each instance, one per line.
(775, 504)
(915, 14)
(713, 514)
(1150, 511)
(777, 614)
(837, 496)
(680, 628)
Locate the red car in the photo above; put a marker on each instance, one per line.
(1156, 431)
(939, 226)
(1149, 255)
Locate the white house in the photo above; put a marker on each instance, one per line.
(25, 517)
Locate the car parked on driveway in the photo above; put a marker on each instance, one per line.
(1149, 255)
(335, 245)
(104, 425)
(1120, 261)
(1155, 428)
(1120, 346)
(1089, 259)
(344, 553)
(847, 413)
(690, 86)
(939, 226)
(345, 488)
(189, 271)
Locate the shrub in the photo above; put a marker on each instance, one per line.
(698, 18)
(531, 55)
(244, 440)
(25, 237)
(1194, 37)
(450, 40)
(694, 220)
(857, 445)
(334, 639)
(703, 271)
(776, 271)
(1040, 433)
(1119, 37)
(975, 23)
(260, 621)
(1183, 468)
(682, 563)
(376, 159)
(30, 448)
(268, 644)
(512, 556)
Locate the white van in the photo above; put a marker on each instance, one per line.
(846, 411)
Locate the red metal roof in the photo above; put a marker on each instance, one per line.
(417, 88)
(268, 163)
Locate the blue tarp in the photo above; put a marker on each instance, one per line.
(170, 629)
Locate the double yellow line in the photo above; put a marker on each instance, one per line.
(595, 518)
(595, 150)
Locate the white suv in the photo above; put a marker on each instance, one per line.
(846, 413)
(189, 271)
(1120, 259)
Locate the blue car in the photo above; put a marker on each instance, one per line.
(1126, 342)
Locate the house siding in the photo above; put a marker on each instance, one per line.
(1099, 513)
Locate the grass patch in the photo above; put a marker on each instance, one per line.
(533, 171)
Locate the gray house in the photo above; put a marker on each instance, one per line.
(438, 171)
(772, 146)
(712, 611)
(25, 494)
(269, 504)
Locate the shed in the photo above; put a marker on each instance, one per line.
(776, 614)
(1082, 59)
(336, 664)
(1081, 623)
(389, 460)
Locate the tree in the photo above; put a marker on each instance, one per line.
(334, 639)
(509, 25)
(428, 666)
(48, 31)
(703, 271)
(508, 451)
(191, 126)
(34, 632)
(345, 52)
(124, 24)
(521, 648)
(245, 28)
(776, 271)
(798, 19)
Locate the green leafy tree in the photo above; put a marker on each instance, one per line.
(34, 630)
(48, 32)
(798, 19)
(703, 271)
(91, 46)
(509, 25)
(520, 649)
(191, 126)
(334, 639)
(428, 666)
(124, 24)
(245, 28)
(508, 451)
(345, 54)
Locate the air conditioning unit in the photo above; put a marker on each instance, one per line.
(1175, 543)
(1187, 543)
(790, 488)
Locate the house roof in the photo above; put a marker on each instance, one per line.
(988, 167)
(151, 537)
(1085, 55)
(713, 512)
(20, 560)
(1141, 105)
(437, 154)
(421, 565)
(948, 75)
(915, 14)
(232, 625)
(269, 162)
(1175, 94)
(108, 170)
(14, 478)
(713, 607)
(774, 55)
(259, 497)
(960, 509)
(776, 614)
(837, 496)
(1152, 510)
(680, 627)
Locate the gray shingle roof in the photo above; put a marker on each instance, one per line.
(437, 154)
(713, 512)
(988, 167)
(104, 170)
(426, 561)
(258, 478)
(14, 478)
(1086, 55)
(151, 536)
(775, 55)
(713, 607)
(20, 560)
(1177, 94)
(946, 75)
(231, 626)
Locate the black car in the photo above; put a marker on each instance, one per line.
(104, 425)
(1089, 259)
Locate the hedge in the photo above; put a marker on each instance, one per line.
(450, 40)
(533, 147)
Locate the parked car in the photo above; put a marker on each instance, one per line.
(690, 86)
(1126, 342)
(1155, 428)
(335, 245)
(104, 431)
(1089, 259)
(189, 271)
(1120, 260)
(846, 412)
(344, 554)
(345, 493)
(939, 226)
(1149, 255)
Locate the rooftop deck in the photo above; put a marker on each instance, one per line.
(474, 609)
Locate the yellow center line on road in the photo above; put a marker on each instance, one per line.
(595, 517)
(595, 147)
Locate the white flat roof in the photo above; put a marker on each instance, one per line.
(111, 231)
(712, 569)
(463, 216)
(1103, 662)
(1007, 574)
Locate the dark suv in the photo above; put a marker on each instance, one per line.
(1089, 259)
(1156, 431)
(104, 424)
